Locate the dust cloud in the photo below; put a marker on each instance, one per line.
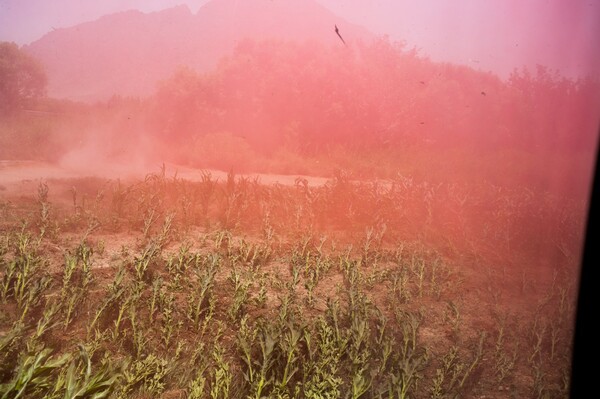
(249, 88)
(97, 155)
(253, 132)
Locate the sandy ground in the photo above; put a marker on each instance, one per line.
(15, 172)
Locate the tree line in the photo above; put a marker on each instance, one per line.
(310, 97)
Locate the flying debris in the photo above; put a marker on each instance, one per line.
(337, 31)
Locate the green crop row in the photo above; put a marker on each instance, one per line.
(199, 303)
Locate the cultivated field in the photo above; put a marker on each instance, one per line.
(233, 287)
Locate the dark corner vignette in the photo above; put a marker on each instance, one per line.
(584, 343)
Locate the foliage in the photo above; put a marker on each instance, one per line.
(21, 77)
(308, 99)
(294, 309)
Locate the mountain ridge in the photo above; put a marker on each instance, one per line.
(129, 52)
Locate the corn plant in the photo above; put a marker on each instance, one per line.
(289, 345)
(454, 373)
(42, 199)
(81, 382)
(139, 334)
(169, 323)
(197, 371)
(73, 292)
(261, 298)
(417, 267)
(310, 284)
(263, 365)
(155, 297)
(404, 378)
(149, 375)
(399, 289)
(115, 291)
(198, 300)
(142, 262)
(94, 343)
(123, 306)
(452, 316)
(196, 388)
(504, 361)
(321, 372)
(240, 294)
(10, 343)
(221, 379)
(23, 278)
(47, 321)
(245, 340)
(164, 235)
(151, 218)
(354, 316)
(35, 374)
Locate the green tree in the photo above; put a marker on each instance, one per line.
(22, 78)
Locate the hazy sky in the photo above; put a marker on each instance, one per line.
(496, 35)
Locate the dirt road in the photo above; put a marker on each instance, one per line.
(21, 172)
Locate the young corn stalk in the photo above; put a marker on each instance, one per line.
(34, 295)
(178, 265)
(139, 334)
(154, 298)
(409, 361)
(93, 344)
(400, 290)
(321, 372)
(261, 297)
(289, 346)
(81, 382)
(452, 376)
(537, 333)
(73, 292)
(164, 235)
(142, 262)
(360, 355)
(245, 340)
(439, 275)
(198, 300)
(124, 306)
(418, 269)
(504, 362)
(46, 322)
(149, 220)
(169, 323)
(263, 377)
(45, 207)
(24, 278)
(10, 342)
(452, 315)
(115, 291)
(310, 283)
(36, 373)
(222, 376)
(405, 376)
(198, 365)
(240, 294)
(207, 188)
(148, 375)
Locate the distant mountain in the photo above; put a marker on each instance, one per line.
(127, 53)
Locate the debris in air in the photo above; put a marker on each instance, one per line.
(337, 31)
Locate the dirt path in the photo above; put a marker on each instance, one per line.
(17, 173)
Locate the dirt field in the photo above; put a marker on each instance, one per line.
(206, 284)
